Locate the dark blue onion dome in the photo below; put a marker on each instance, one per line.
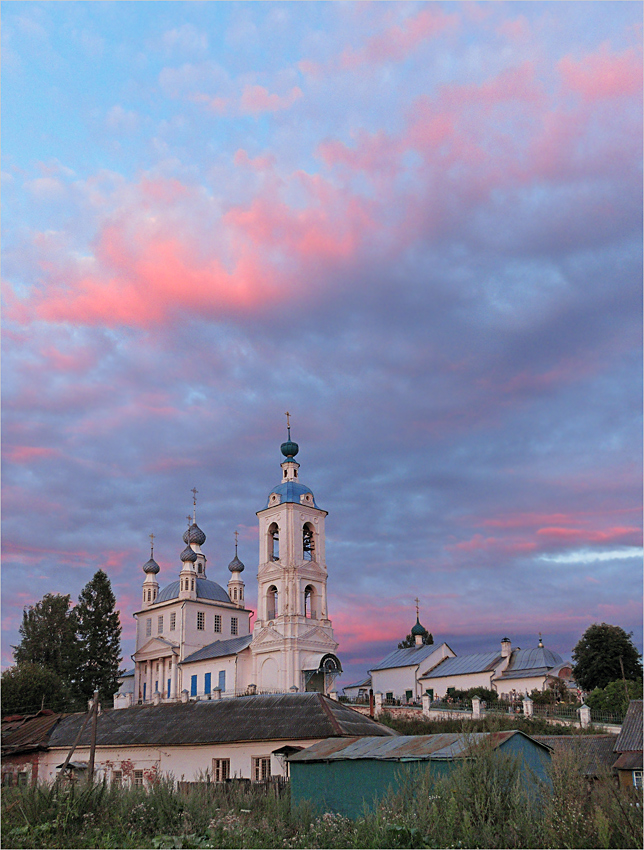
(188, 554)
(194, 535)
(236, 566)
(290, 448)
(151, 567)
(418, 629)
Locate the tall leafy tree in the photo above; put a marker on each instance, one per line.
(597, 657)
(48, 632)
(99, 639)
(26, 688)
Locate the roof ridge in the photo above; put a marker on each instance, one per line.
(327, 710)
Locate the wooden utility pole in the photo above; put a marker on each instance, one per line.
(75, 744)
(92, 745)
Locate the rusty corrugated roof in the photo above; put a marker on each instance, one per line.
(30, 733)
(263, 717)
(449, 745)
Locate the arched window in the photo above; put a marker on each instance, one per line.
(271, 603)
(192, 584)
(309, 601)
(308, 542)
(273, 542)
(234, 593)
(241, 594)
(198, 568)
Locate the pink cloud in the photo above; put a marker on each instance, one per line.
(258, 163)
(619, 534)
(27, 454)
(479, 542)
(257, 99)
(515, 30)
(603, 74)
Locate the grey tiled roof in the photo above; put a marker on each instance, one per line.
(592, 753)
(630, 738)
(362, 683)
(219, 648)
(460, 665)
(264, 717)
(408, 657)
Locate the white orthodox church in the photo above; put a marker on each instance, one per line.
(193, 637)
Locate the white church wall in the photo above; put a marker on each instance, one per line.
(463, 682)
(226, 665)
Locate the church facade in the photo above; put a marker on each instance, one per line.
(194, 638)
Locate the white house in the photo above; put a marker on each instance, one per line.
(210, 740)
(195, 636)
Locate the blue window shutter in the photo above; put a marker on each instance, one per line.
(222, 680)
(144, 689)
(193, 686)
(169, 688)
(206, 683)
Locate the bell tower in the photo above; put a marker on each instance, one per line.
(293, 645)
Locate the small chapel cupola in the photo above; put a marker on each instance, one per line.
(235, 584)
(195, 538)
(150, 584)
(419, 632)
(188, 574)
(289, 449)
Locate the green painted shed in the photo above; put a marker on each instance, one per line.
(345, 775)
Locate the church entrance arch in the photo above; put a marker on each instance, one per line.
(321, 679)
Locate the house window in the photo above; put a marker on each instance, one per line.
(7, 778)
(148, 627)
(160, 625)
(637, 779)
(173, 622)
(221, 769)
(389, 696)
(138, 778)
(117, 777)
(201, 621)
(22, 777)
(408, 695)
(222, 681)
(234, 625)
(217, 622)
(207, 686)
(261, 768)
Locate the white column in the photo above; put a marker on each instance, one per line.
(528, 706)
(426, 704)
(476, 708)
(377, 711)
(584, 716)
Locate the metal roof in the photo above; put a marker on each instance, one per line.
(522, 674)
(592, 753)
(126, 674)
(220, 648)
(264, 717)
(407, 747)
(460, 665)
(408, 657)
(363, 683)
(630, 737)
(30, 732)
(206, 589)
(533, 659)
(290, 491)
(631, 760)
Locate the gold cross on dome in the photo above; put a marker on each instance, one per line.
(417, 601)
(288, 420)
(152, 543)
(194, 492)
(236, 537)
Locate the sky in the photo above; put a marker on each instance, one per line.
(415, 226)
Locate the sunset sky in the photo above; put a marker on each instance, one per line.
(415, 226)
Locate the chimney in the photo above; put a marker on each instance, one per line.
(506, 647)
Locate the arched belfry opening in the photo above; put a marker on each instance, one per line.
(309, 602)
(308, 542)
(273, 542)
(271, 603)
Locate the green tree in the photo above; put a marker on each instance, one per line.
(613, 699)
(597, 657)
(99, 639)
(48, 632)
(410, 640)
(26, 688)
